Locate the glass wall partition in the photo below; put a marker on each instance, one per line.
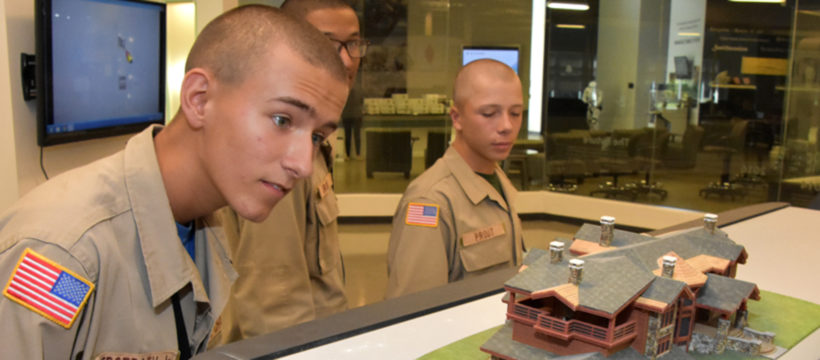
(698, 104)
(397, 118)
(797, 159)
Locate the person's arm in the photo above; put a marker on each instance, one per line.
(37, 322)
(322, 250)
(273, 288)
(418, 256)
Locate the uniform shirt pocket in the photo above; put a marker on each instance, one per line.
(485, 247)
(327, 210)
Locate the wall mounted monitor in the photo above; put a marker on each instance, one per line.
(683, 67)
(100, 68)
(504, 54)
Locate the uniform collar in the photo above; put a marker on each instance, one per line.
(473, 185)
(168, 265)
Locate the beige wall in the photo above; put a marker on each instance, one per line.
(19, 18)
(8, 159)
(19, 154)
(180, 36)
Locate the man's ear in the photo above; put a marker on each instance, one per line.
(194, 95)
(456, 117)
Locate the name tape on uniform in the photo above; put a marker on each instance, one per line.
(487, 233)
(421, 214)
(162, 355)
(47, 288)
(325, 186)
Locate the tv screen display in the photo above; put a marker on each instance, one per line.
(506, 55)
(100, 68)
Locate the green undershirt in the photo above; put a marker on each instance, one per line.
(495, 182)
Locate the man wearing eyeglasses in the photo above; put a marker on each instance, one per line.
(290, 266)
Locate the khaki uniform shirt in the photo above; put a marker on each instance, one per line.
(471, 231)
(109, 223)
(290, 266)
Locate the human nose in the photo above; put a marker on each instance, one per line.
(505, 125)
(299, 160)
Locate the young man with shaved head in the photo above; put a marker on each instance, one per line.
(121, 258)
(291, 269)
(458, 219)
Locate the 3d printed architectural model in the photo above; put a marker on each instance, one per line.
(620, 295)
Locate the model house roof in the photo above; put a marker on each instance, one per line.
(612, 278)
(620, 238)
(664, 290)
(686, 245)
(607, 284)
(726, 294)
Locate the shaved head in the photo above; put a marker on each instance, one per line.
(232, 45)
(473, 75)
(300, 8)
(487, 113)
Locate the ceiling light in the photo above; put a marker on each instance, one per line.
(570, 26)
(568, 5)
(688, 34)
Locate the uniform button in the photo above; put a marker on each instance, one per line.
(323, 264)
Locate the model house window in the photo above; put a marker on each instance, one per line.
(683, 329)
(667, 317)
(663, 345)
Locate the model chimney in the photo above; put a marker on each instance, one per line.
(576, 268)
(556, 252)
(710, 222)
(669, 266)
(607, 230)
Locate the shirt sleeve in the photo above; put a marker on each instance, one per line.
(417, 256)
(36, 324)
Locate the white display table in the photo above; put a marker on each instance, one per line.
(782, 247)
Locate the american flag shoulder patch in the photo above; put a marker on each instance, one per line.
(45, 287)
(422, 214)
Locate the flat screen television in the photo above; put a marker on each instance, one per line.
(683, 67)
(100, 68)
(504, 54)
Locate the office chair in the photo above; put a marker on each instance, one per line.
(729, 145)
(684, 155)
(617, 159)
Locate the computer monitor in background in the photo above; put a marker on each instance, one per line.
(100, 68)
(505, 54)
(683, 67)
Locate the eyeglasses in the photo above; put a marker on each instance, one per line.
(355, 48)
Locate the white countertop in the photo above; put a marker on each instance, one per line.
(782, 246)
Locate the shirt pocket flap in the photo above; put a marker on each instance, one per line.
(328, 209)
(486, 253)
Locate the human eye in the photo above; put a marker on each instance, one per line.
(318, 138)
(488, 113)
(281, 121)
